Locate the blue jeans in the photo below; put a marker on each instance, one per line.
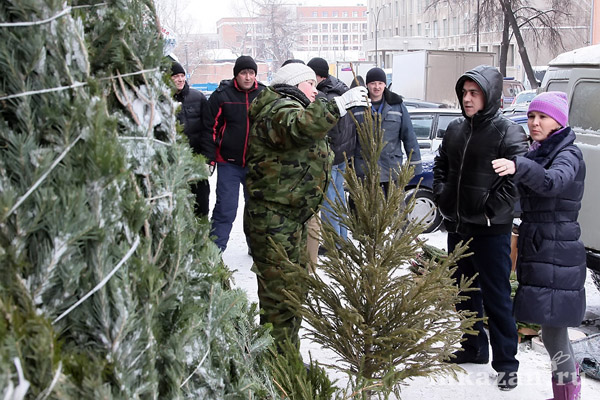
(229, 179)
(336, 183)
(491, 259)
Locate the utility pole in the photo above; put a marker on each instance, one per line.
(376, 28)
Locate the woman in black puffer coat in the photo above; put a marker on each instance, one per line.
(551, 265)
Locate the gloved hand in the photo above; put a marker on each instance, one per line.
(358, 96)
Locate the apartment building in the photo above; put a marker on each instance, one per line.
(406, 25)
(331, 32)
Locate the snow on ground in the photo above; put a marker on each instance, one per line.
(477, 383)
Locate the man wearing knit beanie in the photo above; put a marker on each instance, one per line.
(292, 74)
(193, 104)
(226, 124)
(478, 208)
(376, 74)
(398, 131)
(320, 66)
(288, 167)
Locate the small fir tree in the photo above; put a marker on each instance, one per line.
(384, 323)
(111, 288)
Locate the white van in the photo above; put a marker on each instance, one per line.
(577, 73)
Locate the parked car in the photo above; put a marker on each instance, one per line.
(416, 103)
(521, 102)
(510, 89)
(421, 187)
(520, 119)
(430, 124)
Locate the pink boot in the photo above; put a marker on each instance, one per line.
(570, 391)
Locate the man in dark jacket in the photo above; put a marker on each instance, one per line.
(226, 122)
(193, 103)
(398, 131)
(478, 205)
(342, 138)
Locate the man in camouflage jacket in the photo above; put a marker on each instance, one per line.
(289, 163)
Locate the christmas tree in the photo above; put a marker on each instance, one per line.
(111, 288)
(384, 323)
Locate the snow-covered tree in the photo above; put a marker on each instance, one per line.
(111, 288)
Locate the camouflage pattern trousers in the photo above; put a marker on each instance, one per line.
(267, 231)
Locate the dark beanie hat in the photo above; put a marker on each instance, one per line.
(376, 74)
(176, 68)
(292, 61)
(320, 66)
(244, 62)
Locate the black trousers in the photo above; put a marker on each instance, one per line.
(201, 191)
(491, 259)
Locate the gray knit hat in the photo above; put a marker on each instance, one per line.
(293, 74)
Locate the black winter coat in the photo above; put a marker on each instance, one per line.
(551, 266)
(472, 198)
(193, 102)
(342, 137)
(226, 121)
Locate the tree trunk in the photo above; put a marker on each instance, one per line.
(522, 50)
(505, 43)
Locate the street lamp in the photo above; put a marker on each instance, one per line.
(376, 23)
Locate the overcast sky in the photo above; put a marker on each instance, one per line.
(210, 11)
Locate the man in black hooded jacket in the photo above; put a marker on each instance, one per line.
(193, 103)
(342, 138)
(477, 204)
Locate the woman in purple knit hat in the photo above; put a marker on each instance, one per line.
(551, 265)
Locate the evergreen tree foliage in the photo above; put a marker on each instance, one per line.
(111, 288)
(384, 323)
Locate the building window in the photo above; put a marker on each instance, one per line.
(454, 26)
(344, 27)
(324, 14)
(325, 39)
(419, 33)
(466, 24)
(315, 27)
(445, 27)
(344, 38)
(397, 9)
(435, 29)
(315, 14)
(315, 39)
(335, 27)
(345, 14)
(334, 13)
(355, 14)
(324, 27)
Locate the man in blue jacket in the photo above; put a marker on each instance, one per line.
(398, 131)
(227, 124)
(478, 205)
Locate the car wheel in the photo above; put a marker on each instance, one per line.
(425, 209)
(596, 278)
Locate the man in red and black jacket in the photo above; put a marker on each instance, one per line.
(226, 121)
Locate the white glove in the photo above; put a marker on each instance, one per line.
(358, 96)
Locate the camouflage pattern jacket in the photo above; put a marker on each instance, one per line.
(289, 159)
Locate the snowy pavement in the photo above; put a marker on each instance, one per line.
(477, 383)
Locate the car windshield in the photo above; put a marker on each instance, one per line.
(525, 97)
